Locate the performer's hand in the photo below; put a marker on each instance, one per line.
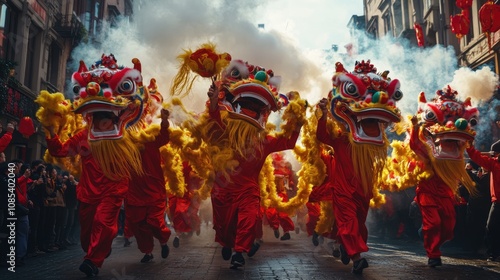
(323, 104)
(165, 114)
(213, 95)
(414, 120)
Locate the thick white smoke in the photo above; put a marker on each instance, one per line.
(161, 30)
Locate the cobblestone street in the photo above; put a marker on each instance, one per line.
(199, 257)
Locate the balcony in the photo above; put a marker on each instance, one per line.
(70, 27)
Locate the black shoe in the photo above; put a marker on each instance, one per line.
(343, 255)
(315, 239)
(493, 259)
(336, 252)
(127, 243)
(285, 236)
(276, 233)
(253, 250)
(359, 265)
(176, 242)
(164, 251)
(147, 258)
(226, 253)
(433, 262)
(89, 268)
(237, 260)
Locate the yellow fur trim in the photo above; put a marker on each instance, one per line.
(326, 218)
(55, 111)
(172, 169)
(368, 161)
(118, 159)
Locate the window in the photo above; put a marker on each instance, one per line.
(8, 32)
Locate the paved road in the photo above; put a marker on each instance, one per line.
(199, 257)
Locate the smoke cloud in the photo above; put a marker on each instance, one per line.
(161, 30)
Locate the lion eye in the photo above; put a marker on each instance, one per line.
(126, 87)
(351, 89)
(473, 122)
(76, 89)
(397, 95)
(235, 73)
(430, 116)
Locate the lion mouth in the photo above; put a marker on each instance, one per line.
(108, 121)
(367, 125)
(447, 145)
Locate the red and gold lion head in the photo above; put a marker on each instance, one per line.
(110, 98)
(365, 101)
(448, 123)
(249, 92)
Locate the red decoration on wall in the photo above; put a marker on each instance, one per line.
(489, 16)
(464, 4)
(419, 33)
(26, 127)
(460, 25)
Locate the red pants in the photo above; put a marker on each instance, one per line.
(127, 231)
(184, 213)
(147, 222)
(350, 214)
(235, 218)
(313, 211)
(438, 222)
(99, 226)
(259, 233)
(277, 219)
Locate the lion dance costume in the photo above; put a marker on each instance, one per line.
(432, 159)
(362, 103)
(102, 151)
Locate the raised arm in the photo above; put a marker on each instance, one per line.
(69, 148)
(321, 132)
(213, 108)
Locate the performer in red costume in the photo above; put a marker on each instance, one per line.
(100, 200)
(184, 210)
(437, 204)
(236, 200)
(362, 105)
(492, 163)
(351, 202)
(324, 192)
(276, 218)
(146, 198)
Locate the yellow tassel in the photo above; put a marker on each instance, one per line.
(326, 218)
(118, 159)
(172, 168)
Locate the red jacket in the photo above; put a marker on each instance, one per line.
(493, 166)
(93, 185)
(150, 188)
(434, 186)
(346, 180)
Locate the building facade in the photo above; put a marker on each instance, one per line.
(397, 18)
(38, 37)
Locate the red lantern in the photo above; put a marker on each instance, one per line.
(460, 25)
(464, 4)
(419, 34)
(489, 16)
(26, 127)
